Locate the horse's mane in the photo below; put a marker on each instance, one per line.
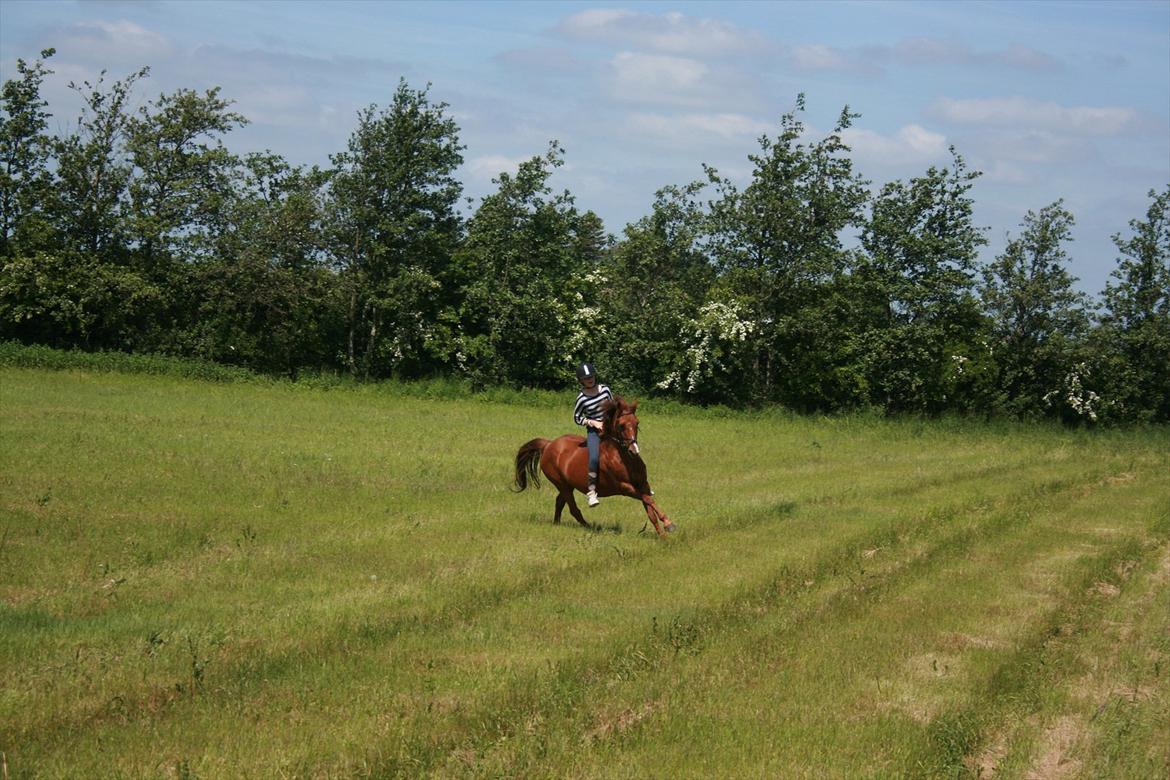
(612, 410)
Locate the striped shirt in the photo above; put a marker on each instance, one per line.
(589, 407)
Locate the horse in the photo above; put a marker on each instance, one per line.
(565, 463)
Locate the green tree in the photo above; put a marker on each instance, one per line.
(80, 290)
(1038, 319)
(1134, 337)
(93, 172)
(923, 319)
(778, 246)
(524, 271)
(25, 151)
(649, 291)
(182, 173)
(261, 291)
(395, 227)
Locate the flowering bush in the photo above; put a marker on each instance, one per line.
(1073, 400)
(717, 342)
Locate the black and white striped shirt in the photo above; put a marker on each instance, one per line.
(589, 407)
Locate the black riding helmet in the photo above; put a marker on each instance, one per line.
(586, 370)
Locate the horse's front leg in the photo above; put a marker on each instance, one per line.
(657, 515)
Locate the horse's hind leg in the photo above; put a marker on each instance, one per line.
(575, 511)
(560, 506)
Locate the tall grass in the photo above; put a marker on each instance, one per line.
(261, 578)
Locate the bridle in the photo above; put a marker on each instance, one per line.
(630, 445)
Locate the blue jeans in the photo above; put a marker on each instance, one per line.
(593, 441)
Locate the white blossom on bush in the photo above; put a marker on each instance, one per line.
(1083, 402)
(718, 331)
(584, 325)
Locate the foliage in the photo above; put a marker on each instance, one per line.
(25, 151)
(524, 271)
(394, 228)
(1038, 319)
(1133, 343)
(919, 272)
(777, 244)
(648, 292)
(139, 229)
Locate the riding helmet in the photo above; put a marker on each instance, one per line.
(586, 370)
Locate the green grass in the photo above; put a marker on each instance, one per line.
(266, 579)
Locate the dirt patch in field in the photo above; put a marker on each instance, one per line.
(957, 642)
(986, 763)
(1055, 759)
(1162, 575)
(1105, 589)
(611, 724)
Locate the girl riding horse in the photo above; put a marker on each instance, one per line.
(590, 411)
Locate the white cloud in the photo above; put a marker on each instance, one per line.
(1034, 147)
(818, 56)
(490, 166)
(1001, 172)
(916, 52)
(696, 127)
(657, 78)
(540, 60)
(660, 79)
(637, 73)
(1023, 112)
(912, 144)
(671, 33)
(113, 42)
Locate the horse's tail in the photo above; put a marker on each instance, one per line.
(528, 463)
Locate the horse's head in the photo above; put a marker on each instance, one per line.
(621, 423)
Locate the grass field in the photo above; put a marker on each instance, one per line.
(265, 580)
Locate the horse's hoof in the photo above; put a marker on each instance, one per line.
(669, 528)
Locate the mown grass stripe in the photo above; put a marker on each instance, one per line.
(553, 698)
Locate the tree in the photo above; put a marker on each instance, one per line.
(777, 245)
(1038, 318)
(182, 171)
(524, 272)
(393, 201)
(1134, 338)
(648, 293)
(79, 289)
(262, 293)
(25, 150)
(93, 174)
(919, 275)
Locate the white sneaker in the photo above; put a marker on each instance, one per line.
(591, 497)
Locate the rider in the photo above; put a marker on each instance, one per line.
(589, 412)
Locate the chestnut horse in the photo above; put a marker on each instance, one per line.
(565, 462)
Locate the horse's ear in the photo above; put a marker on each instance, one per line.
(634, 406)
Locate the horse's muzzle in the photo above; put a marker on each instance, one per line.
(634, 447)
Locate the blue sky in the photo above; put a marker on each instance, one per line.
(1049, 99)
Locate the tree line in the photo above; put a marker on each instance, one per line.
(139, 230)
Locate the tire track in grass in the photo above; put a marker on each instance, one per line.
(833, 579)
(961, 736)
(1048, 705)
(857, 598)
(249, 673)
